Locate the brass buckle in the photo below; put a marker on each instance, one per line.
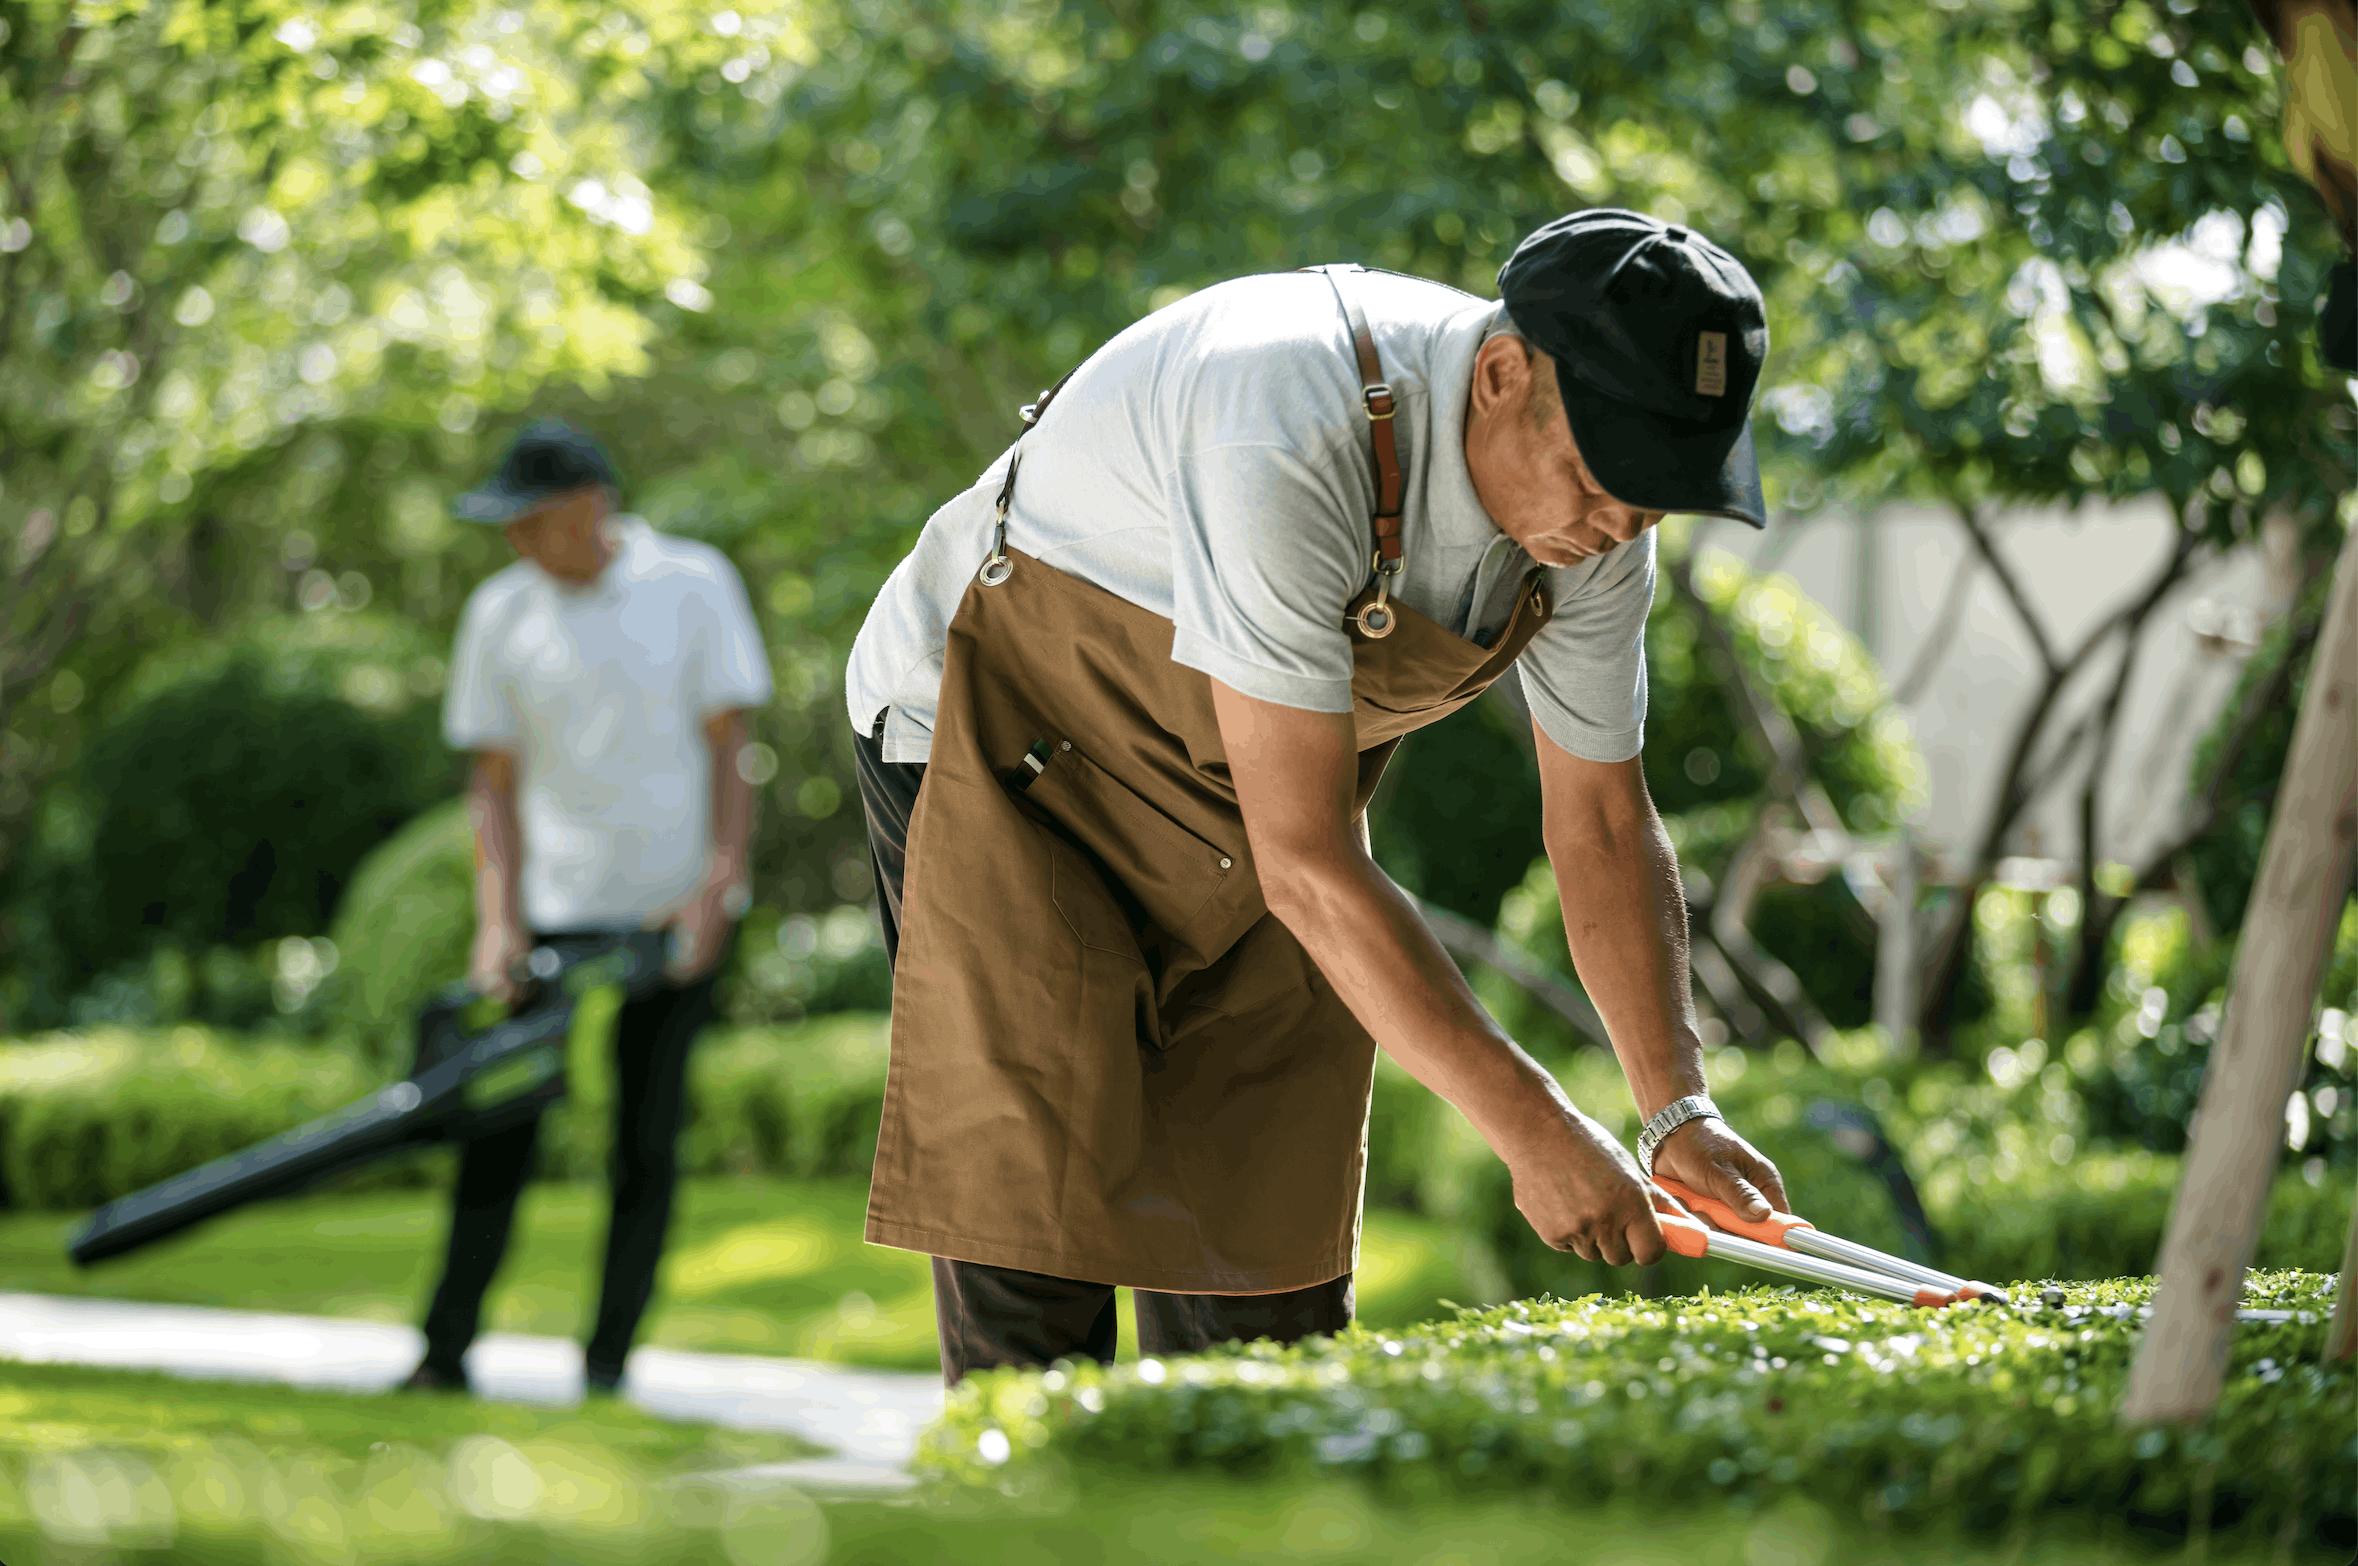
(1367, 400)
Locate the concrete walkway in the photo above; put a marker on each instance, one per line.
(870, 1418)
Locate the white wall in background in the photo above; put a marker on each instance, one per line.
(1889, 576)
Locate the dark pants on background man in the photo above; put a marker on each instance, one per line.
(988, 1316)
(652, 1037)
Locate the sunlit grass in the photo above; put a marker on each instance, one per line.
(756, 1266)
(63, 1408)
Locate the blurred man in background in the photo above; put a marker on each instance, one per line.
(601, 682)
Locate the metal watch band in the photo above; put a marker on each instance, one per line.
(1695, 1106)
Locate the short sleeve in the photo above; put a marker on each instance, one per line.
(1265, 559)
(734, 671)
(478, 712)
(1585, 672)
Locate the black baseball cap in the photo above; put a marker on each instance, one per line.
(1658, 336)
(548, 458)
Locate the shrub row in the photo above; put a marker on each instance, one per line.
(86, 1117)
(1991, 1416)
(2000, 1167)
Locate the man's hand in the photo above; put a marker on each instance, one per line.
(1625, 923)
(1582, 1192)
(1707, 1157)
(700, 928)
(499, 945)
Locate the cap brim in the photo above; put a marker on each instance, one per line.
(1668, 465)
(495, 504)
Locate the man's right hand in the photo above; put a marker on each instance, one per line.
(1582, 1192)
(499, 946)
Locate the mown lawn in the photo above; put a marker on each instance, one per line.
(66, 1408)
(757, 1265)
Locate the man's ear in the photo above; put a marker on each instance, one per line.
(1502, 378)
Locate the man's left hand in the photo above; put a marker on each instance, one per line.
(700, 929)
(1708, 1157)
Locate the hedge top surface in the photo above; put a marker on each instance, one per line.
(1980, 1411)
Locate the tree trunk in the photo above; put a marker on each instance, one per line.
(2288, 932)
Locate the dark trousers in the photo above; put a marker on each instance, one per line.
(989, 1316)
(651, 1041)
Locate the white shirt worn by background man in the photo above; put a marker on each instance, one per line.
(1211, 465)
(601, 693)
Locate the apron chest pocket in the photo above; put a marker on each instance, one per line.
(1173, 876)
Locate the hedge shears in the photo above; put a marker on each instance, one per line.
(1793, 1246)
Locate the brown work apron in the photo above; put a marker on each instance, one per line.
(1110, 1062)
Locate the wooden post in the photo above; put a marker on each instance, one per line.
(2288, 931)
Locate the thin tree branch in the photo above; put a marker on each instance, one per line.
(2079, 991)
(1944, 631)
(2270, 695)
(1986, 545)
(1777, 988)
(1947, 959)
(2058, 760)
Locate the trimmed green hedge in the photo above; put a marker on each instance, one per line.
(1979, 1414)
(86, 1117)
(1983, 1154)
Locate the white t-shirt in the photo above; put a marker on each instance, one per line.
(1211, 465)
(601, 693)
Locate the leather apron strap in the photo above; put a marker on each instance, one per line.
(1376, 618)
(998, 567)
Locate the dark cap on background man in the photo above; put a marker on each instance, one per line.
(548, 458)
(1657, 336)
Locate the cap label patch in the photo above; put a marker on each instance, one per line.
(1711, 364)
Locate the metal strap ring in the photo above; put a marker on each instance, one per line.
(998, 568)
(1376, 620)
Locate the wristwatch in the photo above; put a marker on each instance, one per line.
(1695, 1106)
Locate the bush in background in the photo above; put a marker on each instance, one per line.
(222, 807)
(2010, 1182)
(403, 931)
(88, 1117)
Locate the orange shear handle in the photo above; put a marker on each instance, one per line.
(1768, 1231)
(1685, 1235)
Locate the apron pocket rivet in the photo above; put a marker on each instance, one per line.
(1224, 864)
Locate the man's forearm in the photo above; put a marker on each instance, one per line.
(1371, 944)
(1625, 920)
(499, 840)
(732, 805)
